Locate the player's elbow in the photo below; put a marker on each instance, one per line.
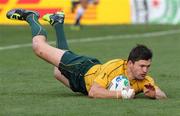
(92, 93)
(95, 92)
(160, 94)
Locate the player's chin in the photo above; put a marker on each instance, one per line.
(141, 77)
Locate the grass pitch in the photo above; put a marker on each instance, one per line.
(28, 88)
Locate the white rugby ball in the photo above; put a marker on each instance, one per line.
(119, 83)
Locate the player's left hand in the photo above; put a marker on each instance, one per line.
(149, 91)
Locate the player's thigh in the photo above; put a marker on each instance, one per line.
(61, 77)
(47, 52)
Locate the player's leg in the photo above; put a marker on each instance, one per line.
(45, 51)
(60, 77)
(40, 46)
(57, 20)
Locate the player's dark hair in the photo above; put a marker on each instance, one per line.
(140, 52)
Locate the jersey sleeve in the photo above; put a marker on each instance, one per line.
(101, 80)
(109, 70)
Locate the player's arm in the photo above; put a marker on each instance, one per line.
(98, 91)
(98, 87)
(159, 94)
(151, 90)
(155, 92)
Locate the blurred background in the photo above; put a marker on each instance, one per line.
(106, 12)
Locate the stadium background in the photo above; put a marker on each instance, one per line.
(100, 14)
(107, 12)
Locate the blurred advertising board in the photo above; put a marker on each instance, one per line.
(106, 12)
(155, 11)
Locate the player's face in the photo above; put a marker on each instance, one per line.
(140, 68)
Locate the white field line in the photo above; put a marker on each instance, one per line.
(102, 38)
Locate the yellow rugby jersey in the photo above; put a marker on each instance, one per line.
(104, 73)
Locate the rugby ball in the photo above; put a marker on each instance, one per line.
(119, 83)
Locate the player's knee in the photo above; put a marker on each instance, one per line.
(57, 74)
(36, 45)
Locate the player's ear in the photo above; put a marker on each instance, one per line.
(130, 62)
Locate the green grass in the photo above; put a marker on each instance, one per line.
(28, 88)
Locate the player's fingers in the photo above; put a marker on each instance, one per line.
(150, 87)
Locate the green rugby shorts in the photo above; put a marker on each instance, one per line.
(74, 67)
